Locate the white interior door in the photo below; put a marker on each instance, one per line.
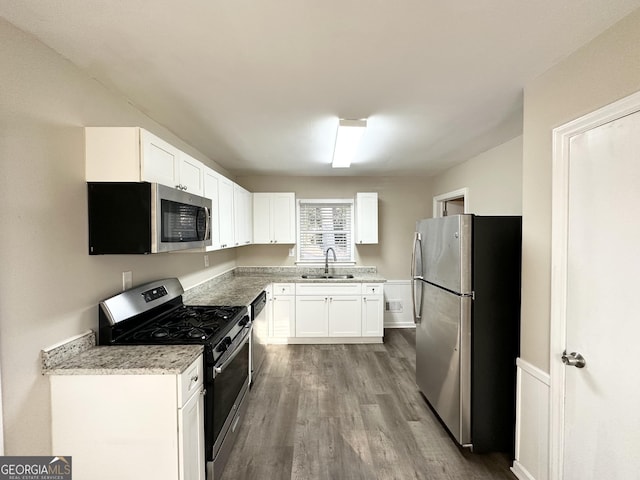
(599, 421)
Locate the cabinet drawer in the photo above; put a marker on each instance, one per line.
(284, 289)
(190, 381)
(328, 288)
(372, 289)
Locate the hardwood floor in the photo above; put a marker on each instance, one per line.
(348, 412)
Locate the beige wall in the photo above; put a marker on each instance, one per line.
(600, 73)
(493, 179)
(401, 201)
(49, 285)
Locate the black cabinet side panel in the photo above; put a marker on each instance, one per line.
(119, 218)
(497, 253)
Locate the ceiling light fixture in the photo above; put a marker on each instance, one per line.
(349, 135)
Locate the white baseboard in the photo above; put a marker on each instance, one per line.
(532, 423)
(521, 472)
(398, 324)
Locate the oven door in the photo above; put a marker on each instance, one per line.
(229, 384)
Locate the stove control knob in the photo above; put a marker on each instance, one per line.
(244, 321)
(224, 344)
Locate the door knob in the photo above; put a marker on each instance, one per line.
(573, 359)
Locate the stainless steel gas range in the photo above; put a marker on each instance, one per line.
(154, 314)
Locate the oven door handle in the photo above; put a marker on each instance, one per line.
(221, 368)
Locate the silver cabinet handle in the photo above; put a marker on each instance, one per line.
(574, 359)
(194, 379)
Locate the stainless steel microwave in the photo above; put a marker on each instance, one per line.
(142, 217)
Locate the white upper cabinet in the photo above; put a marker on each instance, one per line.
(228, 202)
(163, 163)
(366, 218)
(211, 190)
(160, 161)
(132, 154)
(191, 178)
(242, 215)
(225, 197)
(112, 154)
(274, 217)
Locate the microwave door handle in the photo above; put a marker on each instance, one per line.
(207, 228)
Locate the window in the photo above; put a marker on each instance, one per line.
(323, 224)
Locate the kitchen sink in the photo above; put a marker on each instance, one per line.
(320, 277)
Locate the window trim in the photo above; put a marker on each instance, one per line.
(343, 201)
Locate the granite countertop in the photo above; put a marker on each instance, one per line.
(244, 284)
(80, 355)
(129, 360)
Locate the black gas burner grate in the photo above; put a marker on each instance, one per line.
(187, 324)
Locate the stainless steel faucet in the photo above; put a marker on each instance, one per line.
(326, 259)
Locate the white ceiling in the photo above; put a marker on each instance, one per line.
(258, 86)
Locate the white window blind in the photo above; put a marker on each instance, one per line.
(323, 224)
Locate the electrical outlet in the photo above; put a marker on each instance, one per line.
(292, 251)
(127, 280)
(206, 261)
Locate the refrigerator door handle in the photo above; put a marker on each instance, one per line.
(417, 310)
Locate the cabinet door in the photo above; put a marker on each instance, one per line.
(262, 223)
(283, 314)
(372, 316)
(311, 316)
(191, 438)
(366, 218)
(242, 209)
(191, 174)
(225, 196)
(211, 190)
(159, 160)
(283, 218)
(112, 154)
(345, 317)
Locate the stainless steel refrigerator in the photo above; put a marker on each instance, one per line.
(466, 299)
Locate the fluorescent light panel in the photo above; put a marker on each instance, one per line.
(349, 135)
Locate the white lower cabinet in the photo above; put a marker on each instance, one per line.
(311, 316)
(328, 316)
(191, 460)
(372, 311)
(344, 316)
(283, 311)
(326, 312)
(130, 426)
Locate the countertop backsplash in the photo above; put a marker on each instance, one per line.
(62, 351)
